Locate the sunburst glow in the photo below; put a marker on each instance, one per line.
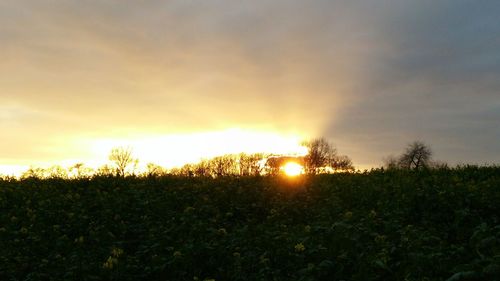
(293, 169)
(178, 149)
(172, 150)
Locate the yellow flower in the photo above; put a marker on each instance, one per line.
(299, 247)
(373, 214)
(307, 228)
(110, 262)
(116, 252)
(177, 254)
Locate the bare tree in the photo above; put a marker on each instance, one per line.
(175, 171)
(320, 155)
(184, 171)
(244, 164)
(341, 163)
(154, 170)
(79, 170)
(78, 167)
(417, 156)
(34, 173)
(104, 170)
(250, 164)
(223, 165)
(122, 158)
(273, 164)
(202, 168)
(57, 171)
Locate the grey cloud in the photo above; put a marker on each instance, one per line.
(436, 80)
(371, 75)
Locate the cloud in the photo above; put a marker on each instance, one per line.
(371, 75)
(435, 80)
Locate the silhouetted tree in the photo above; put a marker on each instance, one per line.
(78, 167)
(175, 171)
(273, 165)
(223, 165)
(153, 170)
(186, 170)
(320, 153)
(202, 168)
(341, 163)
(417, 156)
(104, 170)
(322, 157)
(56, 171)
(122, 158)
(250, 164)
(79, 170)
(34, 173)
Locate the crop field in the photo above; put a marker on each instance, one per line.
(439, 224)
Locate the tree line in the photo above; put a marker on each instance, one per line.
(322, 157)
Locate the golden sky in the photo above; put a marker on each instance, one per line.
(75, 75)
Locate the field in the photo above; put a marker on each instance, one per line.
(380, 225)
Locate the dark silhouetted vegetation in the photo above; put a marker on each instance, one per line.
(322, 157)
(431, 224)
(417, 156)
(122, 158)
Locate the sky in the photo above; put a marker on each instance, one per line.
(80, 77)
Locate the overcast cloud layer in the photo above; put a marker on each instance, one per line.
(369, 75)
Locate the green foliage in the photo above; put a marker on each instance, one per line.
(380, 225)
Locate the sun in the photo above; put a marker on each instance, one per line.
(176, 150)
(292, 169)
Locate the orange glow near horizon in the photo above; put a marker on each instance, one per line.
(178, 149)
(173, 150)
